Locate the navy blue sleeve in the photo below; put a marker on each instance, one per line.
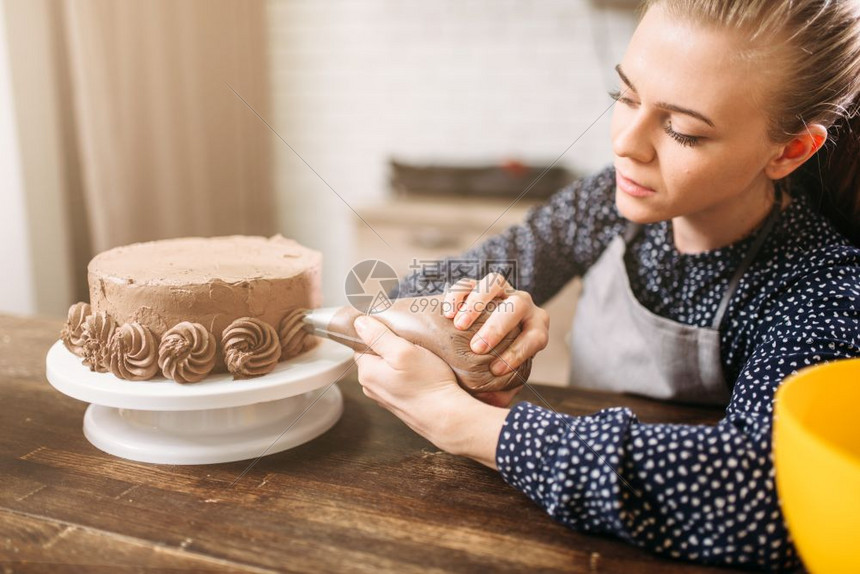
(557, 241)
(698, 492)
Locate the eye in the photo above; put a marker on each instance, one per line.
(683, 139)
(619, 96)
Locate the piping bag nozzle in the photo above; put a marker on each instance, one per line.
(335, 323)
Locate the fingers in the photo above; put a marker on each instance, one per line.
(533, 338)
(371, 370)
(374, 376)
(455, 295)
(504, 318)
(393, 349)
(487, 289)
(368, 392)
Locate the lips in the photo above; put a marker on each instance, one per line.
(631, 187)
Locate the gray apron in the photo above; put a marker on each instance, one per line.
(618, 345)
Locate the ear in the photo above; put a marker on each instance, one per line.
(792, 154)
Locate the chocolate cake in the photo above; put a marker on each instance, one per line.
(185, 308)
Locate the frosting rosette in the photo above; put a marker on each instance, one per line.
(186, 353)
(295, 339)
(72, 334)
(251, 347)
(133, 353)
(95, 335)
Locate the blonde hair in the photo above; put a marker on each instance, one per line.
(818, 42)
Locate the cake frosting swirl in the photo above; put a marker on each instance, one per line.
(186, 353)
(133, 353)
(295, 339)
(161, 287)
(72, 334)
(251, 347)
(96, 332)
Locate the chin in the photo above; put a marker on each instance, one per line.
(636, 210)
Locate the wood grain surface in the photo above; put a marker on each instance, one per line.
(367, 496)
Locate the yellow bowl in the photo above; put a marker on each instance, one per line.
(816, 444)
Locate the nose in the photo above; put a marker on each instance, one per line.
(631, 136)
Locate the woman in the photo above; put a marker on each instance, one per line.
(710, 274)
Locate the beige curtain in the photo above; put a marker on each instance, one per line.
(161, 145)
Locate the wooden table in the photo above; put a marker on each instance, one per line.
(367, 496)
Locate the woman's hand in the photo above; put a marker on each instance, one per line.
(421, 390)
(468, 298)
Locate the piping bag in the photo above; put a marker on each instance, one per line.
(420, 321)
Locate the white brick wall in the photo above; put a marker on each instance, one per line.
(456, 81)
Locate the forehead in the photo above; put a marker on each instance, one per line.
(693, 65)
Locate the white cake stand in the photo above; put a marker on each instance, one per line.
(216, 420)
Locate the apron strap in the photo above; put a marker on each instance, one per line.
(633, 229)
(748, 259)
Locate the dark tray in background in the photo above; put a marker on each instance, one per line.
(505, 180)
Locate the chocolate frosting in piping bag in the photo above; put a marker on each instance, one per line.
(424, 324)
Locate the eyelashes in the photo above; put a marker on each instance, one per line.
(618, 97)
(683, 139)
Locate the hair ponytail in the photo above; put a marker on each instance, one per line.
(833, 174)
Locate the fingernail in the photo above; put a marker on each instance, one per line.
(360, 324)
(478, 345)
(498, 367)
(460, 321)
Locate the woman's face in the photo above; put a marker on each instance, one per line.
(689, 138)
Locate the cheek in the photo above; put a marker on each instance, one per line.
(689, 169)
(683, 170)
(699, 177)
(715, 167)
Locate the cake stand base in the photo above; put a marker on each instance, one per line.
(213, 421)
(213, 436)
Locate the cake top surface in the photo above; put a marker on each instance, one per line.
(190, 260)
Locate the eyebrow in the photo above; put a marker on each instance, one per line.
(664, 105)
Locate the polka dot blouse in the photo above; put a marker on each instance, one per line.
(698, 492)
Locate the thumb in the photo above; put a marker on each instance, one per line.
(383, 341)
